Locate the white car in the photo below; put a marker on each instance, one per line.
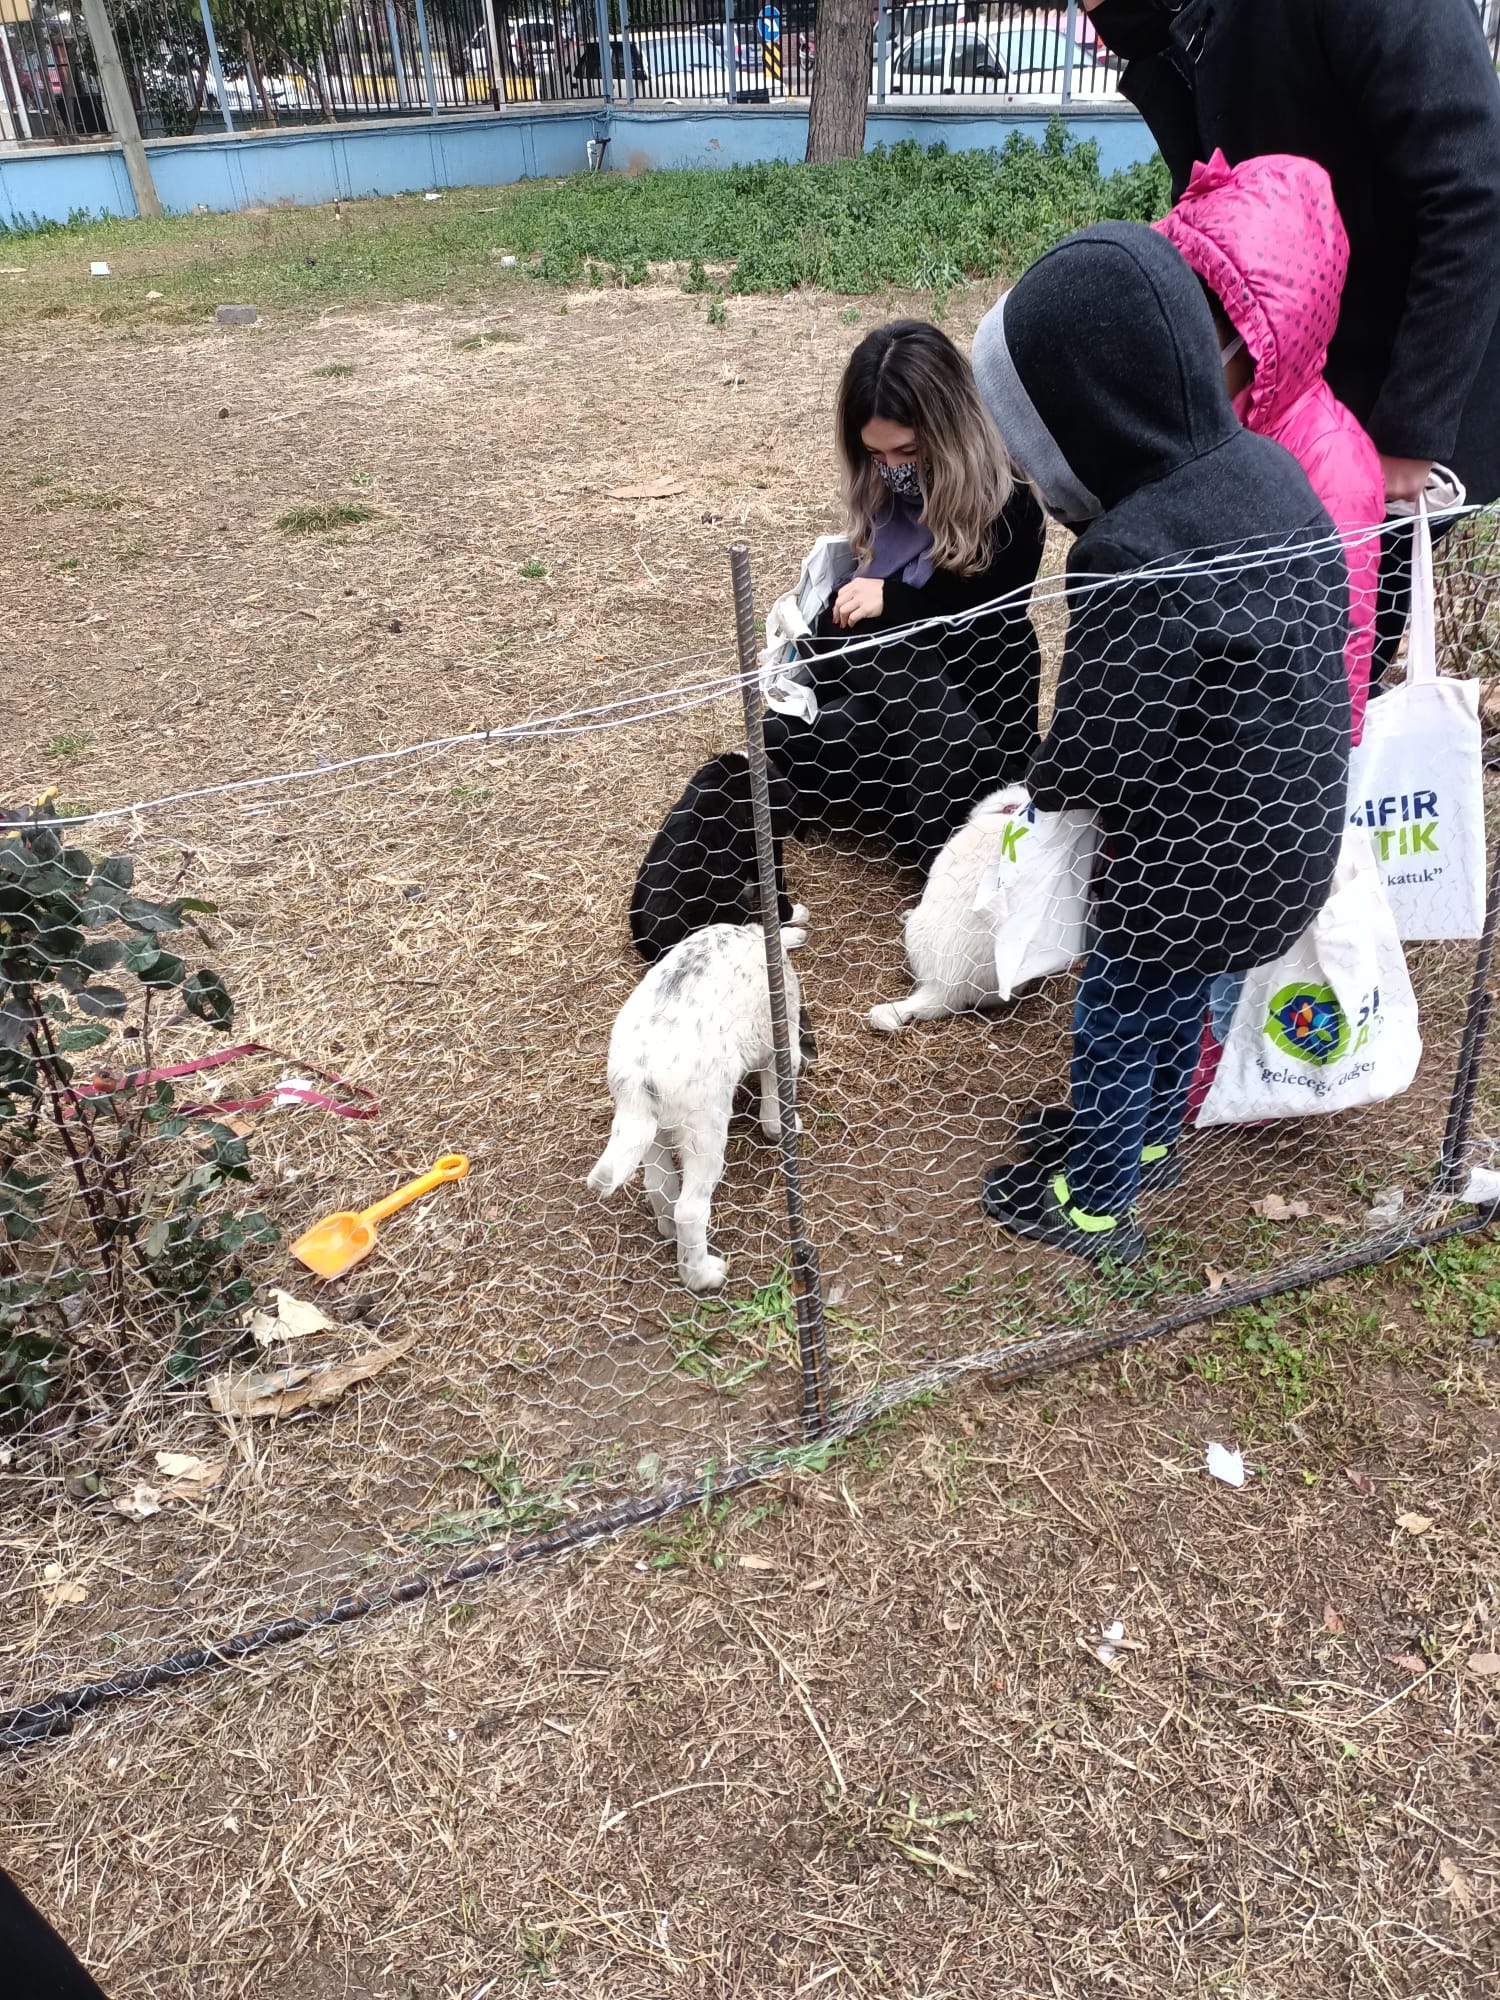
(1019, 59)
(689, 62)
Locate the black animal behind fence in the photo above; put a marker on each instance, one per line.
(209, 1451)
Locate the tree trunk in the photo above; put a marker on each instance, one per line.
(257, 79)
(841, 80)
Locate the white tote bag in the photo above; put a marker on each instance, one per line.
(1034, 891)
(1416, 782)
(1332, 1024)
(785, 680)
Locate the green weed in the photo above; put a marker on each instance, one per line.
(68, 744)
(323, 515)
(537, 1951)
(514, 1507)
(467, 793)
(331, 370)
(532, 570)
(478, 340)
(753, 1330)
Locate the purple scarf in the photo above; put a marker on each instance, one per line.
(901, 545)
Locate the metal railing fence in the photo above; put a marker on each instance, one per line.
(194, 65)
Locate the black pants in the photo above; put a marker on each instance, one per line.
(1393, 595)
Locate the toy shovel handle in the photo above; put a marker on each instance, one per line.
(451, 1167)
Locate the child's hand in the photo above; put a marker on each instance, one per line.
(862, 597)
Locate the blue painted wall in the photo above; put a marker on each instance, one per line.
(485, 149)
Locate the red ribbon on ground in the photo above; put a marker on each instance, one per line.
(222, 1107)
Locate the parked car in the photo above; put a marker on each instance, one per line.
(960, 57)
(683, 62)
(587, 69)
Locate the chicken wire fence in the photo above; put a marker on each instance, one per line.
(425, 952)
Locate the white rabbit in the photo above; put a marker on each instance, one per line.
(950, 945)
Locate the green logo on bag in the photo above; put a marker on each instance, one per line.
(1010, 840)
(1308, 1023)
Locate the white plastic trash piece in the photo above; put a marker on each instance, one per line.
(1482, 1188)
(293, 1091)
(507, 263)
(433, 194)
(99, 270)
(1385, 1211)
(1226, 1465)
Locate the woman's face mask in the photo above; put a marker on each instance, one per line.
(902, 481)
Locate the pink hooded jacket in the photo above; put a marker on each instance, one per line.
(1266, 239)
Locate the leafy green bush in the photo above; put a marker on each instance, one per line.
(106, 1244)
(925, 221)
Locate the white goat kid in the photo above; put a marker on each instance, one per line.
(698, 1022)
(950, 945)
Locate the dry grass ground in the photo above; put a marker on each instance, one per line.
(851, 1744)
(852, 1736)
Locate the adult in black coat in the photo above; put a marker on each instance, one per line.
(1202, 709)
(1398, 100)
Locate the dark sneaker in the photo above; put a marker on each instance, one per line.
(1047, 1133)
(1037, 1205)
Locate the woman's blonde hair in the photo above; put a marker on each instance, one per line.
(910, 373)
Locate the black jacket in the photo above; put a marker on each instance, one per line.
(911, 730)
(1202, 708)
(1398, 100)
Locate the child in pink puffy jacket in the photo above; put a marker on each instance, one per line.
(1267, 243)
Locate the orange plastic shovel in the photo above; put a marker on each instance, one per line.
(332, 1245)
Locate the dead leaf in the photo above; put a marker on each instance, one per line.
(297, 1317)
(240, 1128)
(264, 1327)
(1484, 1664)
(756, 1562)
(1360, 1481)
(654, 489)
(1459, 1886)
(1413, 1663)
(1332, 1622)
(286, 1390)
(1274, 1209)
(188, 1476)
(1414, 1524)
(1217, 1279)
(139, 1503)
(58, 1589)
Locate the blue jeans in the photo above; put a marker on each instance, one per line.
(1136, 1031)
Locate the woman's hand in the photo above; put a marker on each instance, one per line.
(862, 597)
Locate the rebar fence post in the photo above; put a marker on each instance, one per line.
(1450, 1173)
(1070, 32)
(807, 1285)
(882, 51)
(216, 65)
